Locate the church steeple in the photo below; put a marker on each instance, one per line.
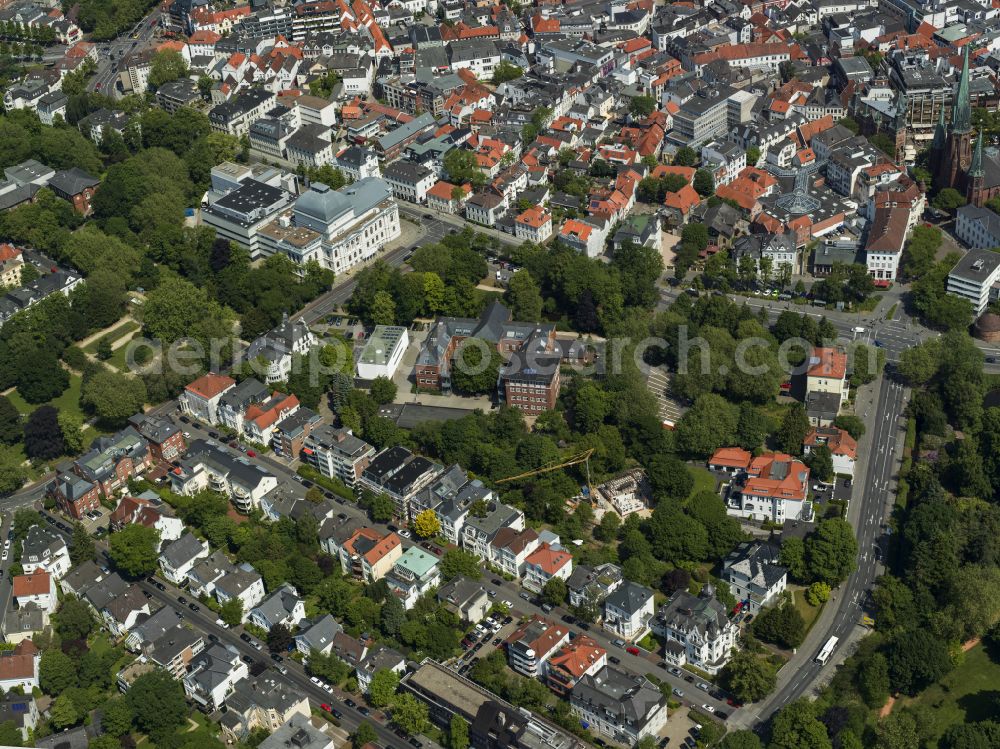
(961, 117)
(976, 167)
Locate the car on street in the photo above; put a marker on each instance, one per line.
(677, 692)
(405, 532)
(708, 708)
(350, 703)
(315, 681)
(413, 742)
(324, 706)
(182, 600)
(496, 581)
(614, 659)
(194, 607)
(246, 638)
(364, 711)
(703, 686)
(213, 638)
(618, 643)
(147, 594)
(161, 586)
(276, 657)
(632, 650)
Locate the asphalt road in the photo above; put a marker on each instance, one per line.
(866, 513)
(111, 54)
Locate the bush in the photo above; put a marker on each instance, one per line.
(75, 358)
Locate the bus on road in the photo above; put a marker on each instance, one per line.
(827, 651)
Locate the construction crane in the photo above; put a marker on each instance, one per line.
(574, 460)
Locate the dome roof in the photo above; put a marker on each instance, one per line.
(322, 203)
(989, 323)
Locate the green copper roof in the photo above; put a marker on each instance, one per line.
(976, 168)
(961, 117)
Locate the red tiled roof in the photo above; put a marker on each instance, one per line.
(548, 559)
(210, 385)
(827, 362)
(731, 457)
(36, 584)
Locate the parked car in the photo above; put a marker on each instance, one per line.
(246, 638)
(618, 643)
(703, 686)
(614, 659)
(496, 581)
(677, 692)
(632, 650)
(708, 708)
(350, 703)
(182, 600)
(194, 607)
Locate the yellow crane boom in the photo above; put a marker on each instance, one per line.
(573, 460)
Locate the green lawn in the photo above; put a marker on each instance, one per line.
(704, 480)
(119, 331)
(69, 401)
(117, 360)
(809, 612)
(965, 695)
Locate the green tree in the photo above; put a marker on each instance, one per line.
(157, 703)
(134, 550)
(505, 71)
(382, 689)
(104, 351)
(458, 733)
(56, 672)
(11, 429)
(830, 551)
(748, 676)
(363, 735)
(797, 726)
(383, 311)
(63, 712)
(916, 659)
(71, 425)
(555, 591)
(820, 462)
(851, 424)
(81, 545)
(896, 731)
(392, 616)
(40, 376)
(818, 593)
(873, 680)
(114, 397)
(524, 297)
(607, 529)
(43, 437)
(116, 717)
(948, 199)
(279, 639)
(708, 425)
(642, 106)
(744, 739)
(74, 620)
(231, 612)
(793, 430)
(381, 508)
(382, 390)
(782, 625)
(685, 156)
(476, 367)
(410, 714)
(669, 477)
(704, 183)
(462, 166)
(457, 562)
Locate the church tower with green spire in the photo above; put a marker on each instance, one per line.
(956, 157)
(977, 175)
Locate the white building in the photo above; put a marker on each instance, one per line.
(278, 346)
(217, 468)
(213, 675)
(336, 228)
(413, 575)
(382, 352)
(548, 561)
(754, 575)
(623, 706)
(282, 607)
(627, 610)
(200, 398)
(724, 159)
(38, 588)
(976, 277)
(44, 550)
(409, 181)
(698, 630)
(178, 558)
(337, 453)
(245, 583)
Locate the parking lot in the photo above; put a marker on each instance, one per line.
(481, 640)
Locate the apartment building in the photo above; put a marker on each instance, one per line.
(337, 453)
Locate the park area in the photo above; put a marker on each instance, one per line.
(966, 695)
